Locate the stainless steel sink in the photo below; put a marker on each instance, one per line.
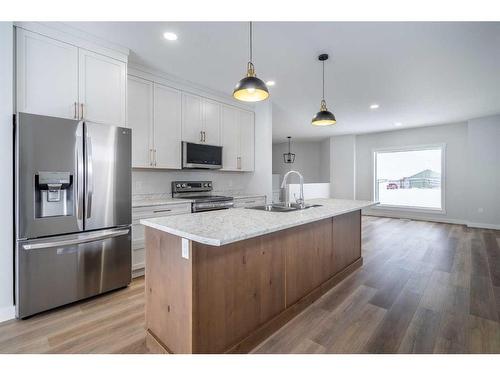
(282, 208)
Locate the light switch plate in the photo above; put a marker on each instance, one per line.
(185, 248)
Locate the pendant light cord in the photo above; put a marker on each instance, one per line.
(323, 79)
(251, 57)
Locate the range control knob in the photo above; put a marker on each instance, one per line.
(178, 185)
(184, 185)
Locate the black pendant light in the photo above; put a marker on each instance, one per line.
(324, 117)
(251, 88)
(288, 157)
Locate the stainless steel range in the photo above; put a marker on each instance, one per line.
(200, 192)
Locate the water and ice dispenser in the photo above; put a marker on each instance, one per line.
(54, 194)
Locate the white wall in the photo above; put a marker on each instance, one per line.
(261, 180)
(343, 167)
(472, 171)
(324, 161)
(6, 195)
(311, 160)
(483, 155)
(455, 138)
(146, 182)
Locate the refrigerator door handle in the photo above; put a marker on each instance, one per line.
(88, 237)
(79, 177)
(90, 176)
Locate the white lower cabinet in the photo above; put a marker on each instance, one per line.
(138, 213)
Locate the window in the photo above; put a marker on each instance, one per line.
(410, 177)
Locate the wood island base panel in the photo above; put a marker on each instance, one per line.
(227, 299)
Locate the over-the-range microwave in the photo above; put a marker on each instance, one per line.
(200, 156)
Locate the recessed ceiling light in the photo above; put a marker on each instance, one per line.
(398, 124)
(374, 106)
(170, 36)
(270, 83)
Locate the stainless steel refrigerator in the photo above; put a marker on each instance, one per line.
(73, 211)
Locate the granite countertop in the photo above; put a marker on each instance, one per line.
(245, 196)
(222, 227)
(159, 201)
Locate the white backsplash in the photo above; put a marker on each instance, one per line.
(157, 184)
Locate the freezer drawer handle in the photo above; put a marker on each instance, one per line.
(75, 241)
(157, 211)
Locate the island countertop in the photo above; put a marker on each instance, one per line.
(217, 228)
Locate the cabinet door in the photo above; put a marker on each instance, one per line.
(230, 138)
(192, 118)
(140, 120)
(102, 87)
(167, 127)
(211, 122)
(47, 75)
(247, 140)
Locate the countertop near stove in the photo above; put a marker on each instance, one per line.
(160, 201)
(219, 228)
(157, 202)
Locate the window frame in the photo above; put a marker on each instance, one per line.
(433, 146)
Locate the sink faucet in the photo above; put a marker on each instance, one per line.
(300, 200)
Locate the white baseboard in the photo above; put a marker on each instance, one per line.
(433, 219)
(138, 272)
(415, 217)
(7, 313)
(484, 226)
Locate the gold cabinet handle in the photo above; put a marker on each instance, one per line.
(238, 162)
(151, 157)
(204, 137)
(75, 116)
(81, 105)
(154, 153)
(201, 136)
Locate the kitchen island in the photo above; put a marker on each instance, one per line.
(222, 281)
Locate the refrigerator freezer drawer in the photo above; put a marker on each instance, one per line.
(55, 271)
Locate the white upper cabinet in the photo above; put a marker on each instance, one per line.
(59, 79)
(211, 122)
(201, 120)
(47, 76)
(247, 140)
(102, 89)
(192, 118)
(230, 138)
(154, 115)
(140, 120)
(167, 127)
(238, 139)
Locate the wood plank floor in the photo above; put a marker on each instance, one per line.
(424, 288)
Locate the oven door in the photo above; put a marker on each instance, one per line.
(198, 156)
(211, 206)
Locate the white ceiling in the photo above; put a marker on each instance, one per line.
(420, 73)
